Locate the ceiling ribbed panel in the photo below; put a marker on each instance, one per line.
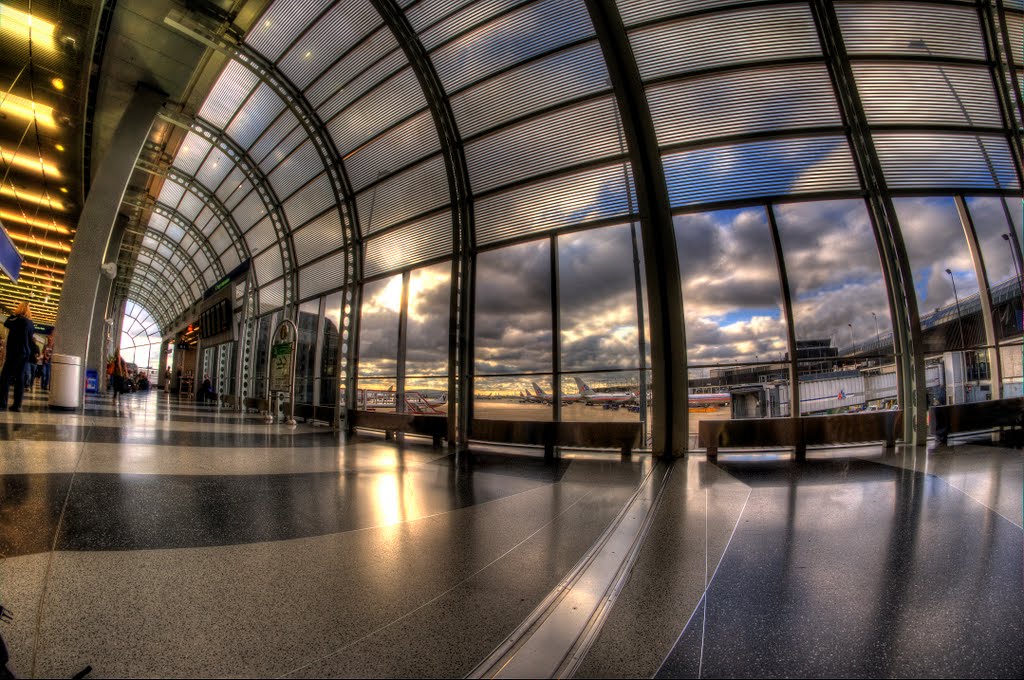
(235, 181)
(205, 217)
(922, 29)
(220, 240)
(1015, 27)
(281, 128)
(760, 169)
(318, 238)
(929, 94)
(400, 146)
(190, 206)
(233, 87)
(573, 73)
(439, 22)
(417, 242)
(299, 167)
(418, 190)
(579, 134)
(158, 222)
(320, 277)
(271, 297)
(171, 193)
(283, 149)
(335, 33)
(735, 37)
(201, 260)
(953, 161)
(215, 168)
(189, 245)
(261, 236)
(642, 11)
(267, 266)
(399, 97)
(553, 204)
(309, 201)
(191, 153)
(229, 259)
(176, 233)
(346, 72)
(379, 72)
(509, 39)
(249, 211)
(281, 24)
(739, 102)
(242, 190)
(258, 112)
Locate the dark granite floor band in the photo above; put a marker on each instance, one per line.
(854, 569)
(141, 433)
(134, 512)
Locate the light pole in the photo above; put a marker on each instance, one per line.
(878, 341)
(1016, 268)
(959, 319)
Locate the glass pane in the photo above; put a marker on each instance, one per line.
(991, 217)
(601, 397)
(947, 289)
(748, 391)
(378, 330)
(835, 278)
(513, 310)
(1011, 364)
(513, 398)
(329, 350)
(429, 307)
(428, 396)
(731, 294)
(597, 282)
(305, 352)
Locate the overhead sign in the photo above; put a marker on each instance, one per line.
(10, 258)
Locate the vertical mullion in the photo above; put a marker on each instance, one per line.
(984, 294)
(556, 334)
(787, 305)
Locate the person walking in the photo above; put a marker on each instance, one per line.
(119, 374)
(20, 344)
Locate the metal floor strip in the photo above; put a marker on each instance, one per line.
(553, 640)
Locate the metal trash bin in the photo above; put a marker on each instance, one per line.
(65, 382)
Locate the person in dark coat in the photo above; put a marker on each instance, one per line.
(20, 344)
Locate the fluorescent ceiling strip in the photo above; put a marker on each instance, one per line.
(32, 197)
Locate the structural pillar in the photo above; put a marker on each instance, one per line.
(78, 300)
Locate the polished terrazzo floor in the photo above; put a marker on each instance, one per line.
(160, 538)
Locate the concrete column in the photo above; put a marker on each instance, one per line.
(79, 295)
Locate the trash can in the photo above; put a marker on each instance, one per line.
(65, 382)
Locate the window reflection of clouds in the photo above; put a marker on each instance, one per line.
(140, 336)
(598, 297)
(429, 307)
(378, 332)
(731, 292)
(513, 309)
(935, 242)
(834, 270)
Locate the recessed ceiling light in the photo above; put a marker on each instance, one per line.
(64, 190)
(58, 84)
(59, 147)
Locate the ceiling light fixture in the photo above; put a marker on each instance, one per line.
(58, 147)
(33, 163)
(26, 109)
(38, 199)
(33, 222)
(27, 26)
(41, 242)
(58, 84)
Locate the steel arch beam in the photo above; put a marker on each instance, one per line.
(152, 305)
(460, 365)
(261, 185)
(661, 263)
(164, 240)
(158, 281)
(200, 190)
(190, 228)
(899, 281)
(145, 288)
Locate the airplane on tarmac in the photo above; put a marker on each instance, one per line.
(591, 397)
(547, 398)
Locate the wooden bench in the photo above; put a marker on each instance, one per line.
(308, 412)
(601, 435)
(435, 427)
(850, 428)
(982, 415)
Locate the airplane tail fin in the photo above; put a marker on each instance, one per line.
(583, 387)
(538, 391)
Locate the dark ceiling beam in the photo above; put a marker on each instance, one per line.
(664, 289)
(460, 378)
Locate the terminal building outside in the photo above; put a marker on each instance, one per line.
(512, 213)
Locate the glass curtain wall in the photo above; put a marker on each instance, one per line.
(140, 338)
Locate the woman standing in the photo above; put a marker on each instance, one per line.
(119, 374)
(20, 344)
